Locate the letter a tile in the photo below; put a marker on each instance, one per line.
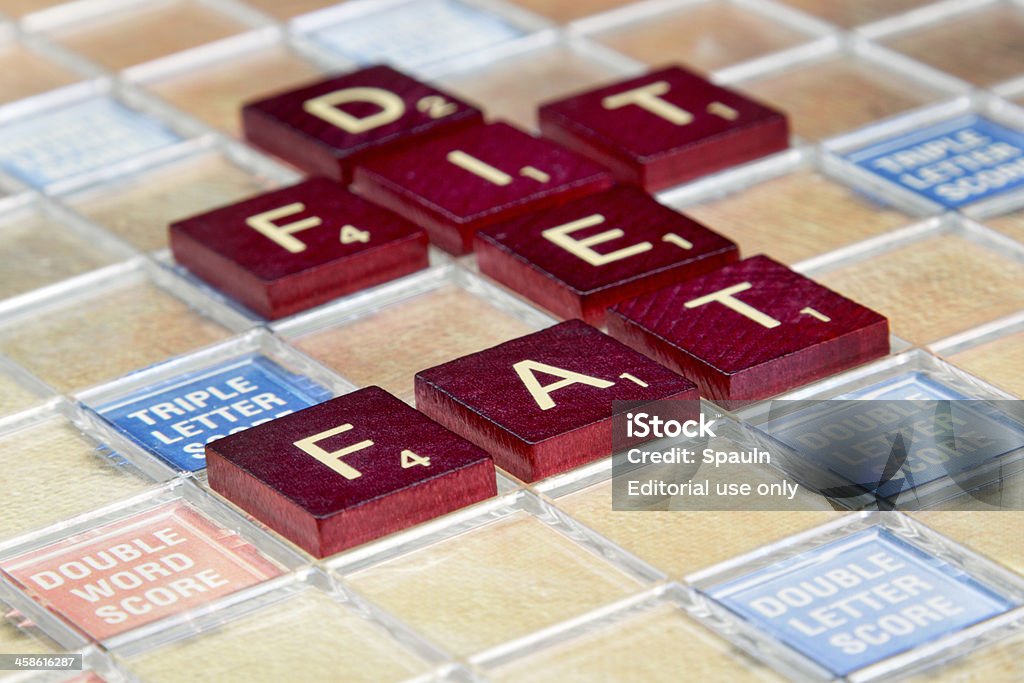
(288, 250)
(750, 330)
(543, 403)
(325, 127)
(349, 470)
(665, 128)
(580, 258)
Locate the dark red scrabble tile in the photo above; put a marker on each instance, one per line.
(750, 330)
(665, 128)
(349, 470)
(291, 249)
(325, 127)
(580, 258)
(542, 404)
(457, 183)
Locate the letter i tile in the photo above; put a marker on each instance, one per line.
(750, 330)
(288, 250)
(456, 183)
(543, 403)
(580, 258)
(324, 127)
(349, 470)
(665, 127)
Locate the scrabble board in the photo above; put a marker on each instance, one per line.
(318, 321)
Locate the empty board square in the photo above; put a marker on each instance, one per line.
(582, 257)
(750, 330)
(983, 47)
(834, 603)
(52, 471)
(16, 640)
(797, 216)
(24, 73)
(14, 395)
(413, 34)
(503, 399)
(1002, 660)
(456, 183)
(19, 8)
(851, 13)
(930, 289)
(286, 9)
(141, 568)
(176, 418)
(840, 94)
(327, 126)
(36, 250)
(512, 88)
(564, 11)
(215, 92)
(680, 542)
(664, 128)
(139, 208)
(349, 470)
(535, 577)
(703, 35)
(155, 30)
(390, 345)
(298, 247)
(306, 636)
(643, 646)
(1012, 224)
(953, 163)
(73, 139)
(994, 536)
(135, 323)
(88, 676)
(999, 362)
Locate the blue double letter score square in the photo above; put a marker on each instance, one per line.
(858, 600)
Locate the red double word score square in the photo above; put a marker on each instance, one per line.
(750, 330)
(291, 249)
(326, 126)
(665, 128)
(139, 569)
(578, 259)
(348, 471)
(542, 404)
(457, 183)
